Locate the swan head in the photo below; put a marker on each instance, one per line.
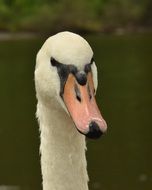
(66, 73)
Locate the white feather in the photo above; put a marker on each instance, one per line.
(62, 148)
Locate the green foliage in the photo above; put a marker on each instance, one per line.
(85, 15)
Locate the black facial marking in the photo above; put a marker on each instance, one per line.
(94, 91)
(92, 60)
(54, 62)
(64, 71)
(87, 67)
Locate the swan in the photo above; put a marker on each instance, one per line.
(66, 83)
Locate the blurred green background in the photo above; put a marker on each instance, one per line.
(80, 15)
(119, 32)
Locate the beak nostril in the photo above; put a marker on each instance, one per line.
(78, 98)
(89, 92)
(77, 92)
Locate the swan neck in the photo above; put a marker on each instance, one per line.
(62, 149)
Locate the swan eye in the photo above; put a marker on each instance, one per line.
(77, 92)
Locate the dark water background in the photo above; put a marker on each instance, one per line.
(122, 159)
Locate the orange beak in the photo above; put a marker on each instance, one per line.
(81, 104)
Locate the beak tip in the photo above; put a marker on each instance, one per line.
(94, 131)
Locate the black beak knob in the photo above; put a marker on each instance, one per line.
(81, 78)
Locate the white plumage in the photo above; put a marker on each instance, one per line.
(62, 147)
